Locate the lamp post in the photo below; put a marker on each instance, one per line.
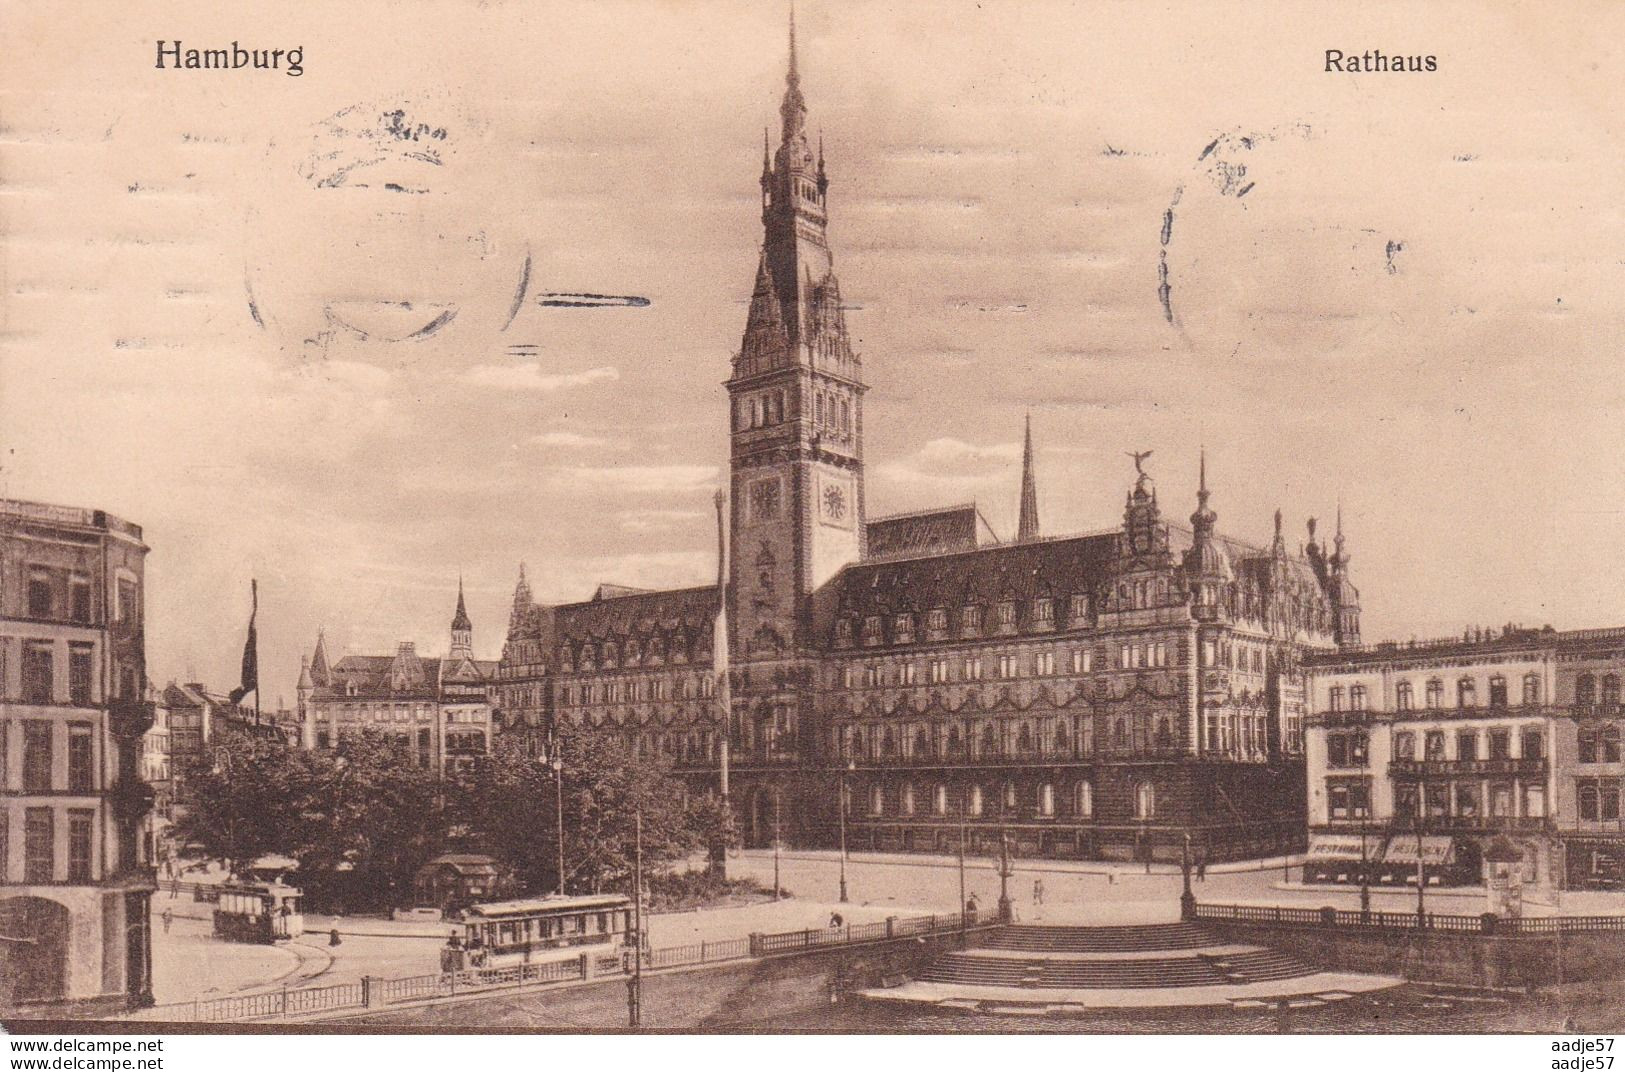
(1187, 899)
(963, 903)
(1421, 876)
(1365, 869)
(558, 801)
(1006, 912)
(845, 788)
(634, 985)
(776, 838)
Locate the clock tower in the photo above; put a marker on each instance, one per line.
(796, 402)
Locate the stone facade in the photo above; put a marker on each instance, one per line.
(1096, 695)
(438, 707)
(75, 879)
(1512, 735)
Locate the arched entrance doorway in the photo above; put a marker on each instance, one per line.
(33, 950)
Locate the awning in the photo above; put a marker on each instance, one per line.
(1437, 850)
(1342, 847)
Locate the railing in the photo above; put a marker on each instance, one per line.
(373, 992)
(1527, 765)
(1337, 918)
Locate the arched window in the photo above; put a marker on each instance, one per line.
(1466, 693)
(953, 740)
(1165, 734)
(1608, 744)
(1024, 738)
(1402, 696)
(939, 800)
(1610, 689)
(989, 741)
(1585, 690)
(1063, 743)
(1435, 693)
(877, 800)
(1083, 800)
(888, 745)
(1588, 800)
(1531, 688)
(976, 800)
(1119, 734)
(922, 742)
(908, 798)
(1145, 801)
(1009, 796)
(1046, 799)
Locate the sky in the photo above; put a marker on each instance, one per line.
(298, 328)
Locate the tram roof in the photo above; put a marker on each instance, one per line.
(531, 906)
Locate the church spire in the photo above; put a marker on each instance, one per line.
(319, 671)
(1027, 527)
(462, 630)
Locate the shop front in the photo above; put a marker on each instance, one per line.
(1434, 855)
(1340, 857)
(1595, 863)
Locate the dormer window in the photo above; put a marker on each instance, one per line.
(936, 623)
(903, 629)
(1007, 614)
(970, 620)
(1079, 606)
(1043, 612)
(871, 629)
(843, 632)
(611, 654)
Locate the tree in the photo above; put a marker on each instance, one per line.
(511, 801)
(244, 799)
(360, 821)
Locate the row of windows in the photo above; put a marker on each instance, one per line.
(38, 741)
(1598, 798)
(64, 595)
(39, 845)
(608, 654)
(1041, 615)
(38, 683)
(1467, 745)
(1010, 798)
(940, 671)
(830, 410)
(1463, 799)
(1599, 744)
(638, 690)
(1466, 694)
(1234, 656)
(1235, 735)
(1585, 690)
(1142, 733)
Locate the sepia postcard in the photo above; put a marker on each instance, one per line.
(731, 517)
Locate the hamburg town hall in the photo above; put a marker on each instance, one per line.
(1093, 696)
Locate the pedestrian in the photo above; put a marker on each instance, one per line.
(333, 936)
(168, 917)
(1111, 878)
(1038, 891)
(835, 921)
(1201, 868)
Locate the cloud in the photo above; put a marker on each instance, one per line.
(649, 521)
(635, 479)
(953, 463)
(530, 377)
(574, 441)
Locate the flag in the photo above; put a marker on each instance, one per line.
(251, 670)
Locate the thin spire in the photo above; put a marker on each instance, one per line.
(460, 619)
(1201, 488)
(1027, 527)
(792, 77)
(794, 109)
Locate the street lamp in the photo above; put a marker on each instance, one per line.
(963, 903)
(1187, 899)
(557, 763)
(1421, 874)
(776, 838)
(845, 789)
(1365, 868)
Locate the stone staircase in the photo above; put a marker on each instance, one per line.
(1110, 958)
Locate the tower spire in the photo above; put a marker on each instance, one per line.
(1027, 527)
(794, 108)
(462, 630)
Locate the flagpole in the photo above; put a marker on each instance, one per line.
(719, 667)
(253, 638)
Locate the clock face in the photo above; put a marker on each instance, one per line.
(834, 502)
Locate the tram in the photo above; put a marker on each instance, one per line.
(258, 912)
(539, 929)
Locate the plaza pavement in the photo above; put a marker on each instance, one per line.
(189, 963)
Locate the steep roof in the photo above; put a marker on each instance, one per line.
(637, 613)
(927, 532)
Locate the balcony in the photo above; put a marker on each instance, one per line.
(1531, 767)
(1476, 824)
(129, 719)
